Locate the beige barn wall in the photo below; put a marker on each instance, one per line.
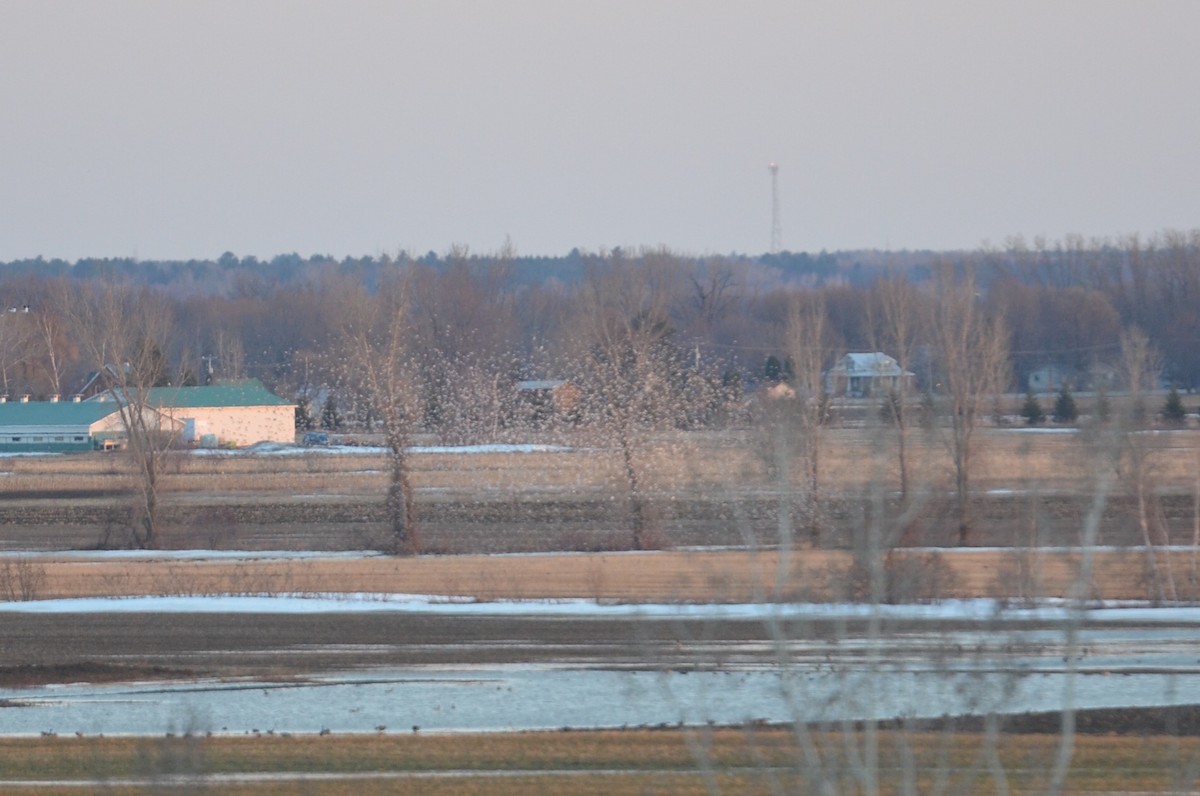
(111, 423)
(243, 425)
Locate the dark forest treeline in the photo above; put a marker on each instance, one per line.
(481, 317)
(229, 274)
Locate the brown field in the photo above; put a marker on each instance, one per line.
(703, 489)
(707, 490)
(748, 760)
(665, 576)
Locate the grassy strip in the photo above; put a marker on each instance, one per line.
(661, 784)
(758, 760)
(667, 576)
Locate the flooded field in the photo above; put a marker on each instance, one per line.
(557, 670)
(526, 698)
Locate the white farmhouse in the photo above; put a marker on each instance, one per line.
(864, 375)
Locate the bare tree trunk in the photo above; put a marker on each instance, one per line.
(1195, 579)
(49, 327)
(962, 495)
(149, 514)
(806, 337)
(637, 511)
(814, 488)
(401, 508)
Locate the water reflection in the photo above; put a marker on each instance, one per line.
(534, 697)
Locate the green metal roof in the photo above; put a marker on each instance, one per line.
(242, 393)
(50, 413)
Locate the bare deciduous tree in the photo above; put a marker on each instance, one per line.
(973, 352)
(230, 356)
(18, 342)
(50, 330)
(712, 292)
(381, 367)
(124, 333)
(806, 339)
(896, 305)
(1140, 366)
(633, 379)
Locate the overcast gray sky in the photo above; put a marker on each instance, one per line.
(177, 130)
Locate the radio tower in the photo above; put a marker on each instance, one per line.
(776, 226)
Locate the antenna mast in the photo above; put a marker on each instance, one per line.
(776, 225)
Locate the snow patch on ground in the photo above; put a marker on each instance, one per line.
(281, 449)
(1041, 430)
(950, 610)
(193, 555)
(203, 554)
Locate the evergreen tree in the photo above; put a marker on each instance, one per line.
(331, 418)
(1173, 411)
(789, 370)
(1065, 410)
(304, 418)
(773, 369)
(1031, 410)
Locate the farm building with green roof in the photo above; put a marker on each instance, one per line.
(53, 426)
(237, 414)
(234, 414)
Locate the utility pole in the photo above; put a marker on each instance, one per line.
(208, 368)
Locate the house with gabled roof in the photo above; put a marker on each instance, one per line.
(542, 400)
(864, 375)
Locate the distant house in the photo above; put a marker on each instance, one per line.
(864, 375)
(239, 413)
(97, 381)
(1102, 376)
(779, 391)
(58, 427)
(1049, 377)
(541, 400)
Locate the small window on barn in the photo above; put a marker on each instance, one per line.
(39, 439)
(16, 439)
(80, 439)
(59, 439)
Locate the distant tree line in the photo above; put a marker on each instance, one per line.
(1065, 306)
